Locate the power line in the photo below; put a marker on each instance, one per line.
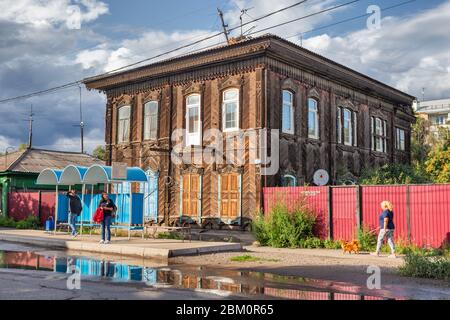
(76, 83)
(306, 16)
(189, 45)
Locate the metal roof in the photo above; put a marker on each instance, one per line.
(36, 160)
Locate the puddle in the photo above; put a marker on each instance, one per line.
(218, 281)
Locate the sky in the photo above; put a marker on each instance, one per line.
(47, 43)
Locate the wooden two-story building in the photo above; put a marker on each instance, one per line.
(328, 116)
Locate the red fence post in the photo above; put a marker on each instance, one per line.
(330, 212)
(408, 214)
(358, 207)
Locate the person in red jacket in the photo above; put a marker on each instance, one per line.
(109, 209)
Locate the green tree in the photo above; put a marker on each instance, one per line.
(438, 165)
(396, 173)
(100, 153)
(420, 140)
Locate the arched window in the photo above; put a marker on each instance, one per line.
(287, 125)
(123, 126)
(289, 181)
(230, 110)
(151, 120)
(193, 125)
(313, 119)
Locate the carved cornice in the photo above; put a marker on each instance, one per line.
(231, 82)
(154, 95)
(195, 87)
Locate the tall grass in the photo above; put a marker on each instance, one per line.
(424, 266)
(283, 228)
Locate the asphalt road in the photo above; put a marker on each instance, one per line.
(37, 285)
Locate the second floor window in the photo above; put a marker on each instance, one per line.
(400, 139)
(347, 129)
(287, 125)
(379, 134)
(313, 119)
(123, 127)
(230, 110)
(193, 124)
(151, 120)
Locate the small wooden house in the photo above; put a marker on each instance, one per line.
(328, 117)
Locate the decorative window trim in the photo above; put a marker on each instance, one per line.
(291, 130)
(316, 134)
(238, 109)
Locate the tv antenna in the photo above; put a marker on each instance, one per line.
(224, 26)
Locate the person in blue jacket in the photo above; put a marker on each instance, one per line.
(387, 227)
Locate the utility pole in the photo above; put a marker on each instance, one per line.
(224, 26)
(81, 125)
(30, 128)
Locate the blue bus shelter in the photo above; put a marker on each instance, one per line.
(130, 213)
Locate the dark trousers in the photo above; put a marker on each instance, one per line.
(106, 228)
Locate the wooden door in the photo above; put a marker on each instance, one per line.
(191, 189)
(230, 202)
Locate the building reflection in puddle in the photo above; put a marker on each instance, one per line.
(246, 283)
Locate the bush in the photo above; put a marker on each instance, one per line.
(7, 222)
(312, 243)
(423, 266)
(394, 174)
(284, 229)
(331, 244)
(367, 239)
(31, 222)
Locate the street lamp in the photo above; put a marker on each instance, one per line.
(6, 157)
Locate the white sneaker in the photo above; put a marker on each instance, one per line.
(107, 241)
(101, 241)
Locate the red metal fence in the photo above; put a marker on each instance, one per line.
(421, 212)
(24, 204)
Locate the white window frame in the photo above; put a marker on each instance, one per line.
(290, 105)
(379, 133)
(224, 103)
(400, 139)
(195, 137)
(339, 125)
(315, 113)
(289, 176)
(147, 122)
(123, 123)
(350, 127)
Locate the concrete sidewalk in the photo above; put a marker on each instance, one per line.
(135, 247)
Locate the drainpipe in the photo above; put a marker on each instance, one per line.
(169, 166)
(110, 134)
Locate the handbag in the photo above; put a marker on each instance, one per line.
(99, 215)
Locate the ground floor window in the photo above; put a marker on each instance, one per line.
(289, 180)
(190, 195)
(230, 195)
(379, 134)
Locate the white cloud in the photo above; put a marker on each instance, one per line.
(92, 139)
(408, 53)
(46, 13)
